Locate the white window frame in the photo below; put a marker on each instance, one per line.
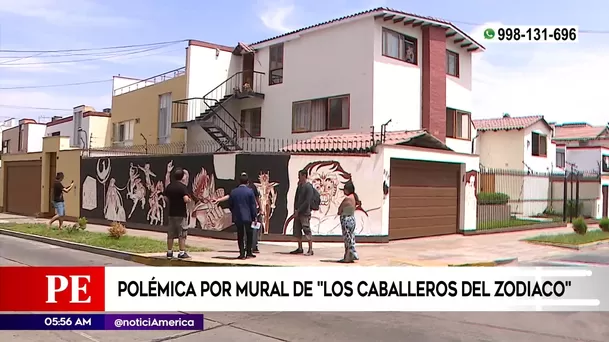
(164, 118)
(127, 138)
(77, 124)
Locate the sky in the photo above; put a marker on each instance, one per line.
(563, 82)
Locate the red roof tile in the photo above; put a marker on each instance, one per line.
(380, 10)
(577, 131)
(506, 123)
(351, 142)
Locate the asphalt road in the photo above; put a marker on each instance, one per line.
(312, 327)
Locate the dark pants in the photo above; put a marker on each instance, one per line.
(245, 237)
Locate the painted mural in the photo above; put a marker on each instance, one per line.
(130, 190)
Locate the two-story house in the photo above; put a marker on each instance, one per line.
(517, 157)
(347, 75)
(25, 137)
(86, 127)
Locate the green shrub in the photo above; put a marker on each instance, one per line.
(549, 211)
(82, 223)
(604, 224)
(580, 226)
(72, 228)
(117, 230)
(487, 198)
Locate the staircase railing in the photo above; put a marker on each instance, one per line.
(240, 82)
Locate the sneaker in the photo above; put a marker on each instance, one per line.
(297, 251)
(183, 256)
(170, 255)
(309, 253)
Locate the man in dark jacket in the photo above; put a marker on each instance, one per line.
(242, 204)
(302, 213)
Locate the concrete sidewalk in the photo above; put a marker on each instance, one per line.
(434, 251)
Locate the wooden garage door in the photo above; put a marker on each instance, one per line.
(423, 199)
(23, 187)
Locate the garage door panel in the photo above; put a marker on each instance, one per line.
(418, 202)
(420, 192)
(424, 211)
(423, 199)
(431, 222)
(23, 187)
(421, 231)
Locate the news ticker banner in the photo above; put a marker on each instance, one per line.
(259, 289)
(101, 322)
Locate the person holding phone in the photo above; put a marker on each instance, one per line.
(58, 191)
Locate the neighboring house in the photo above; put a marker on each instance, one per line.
(516, 157)
(10, 123)
(342, 76)
(516, 143)
(86, 127)
(25, 137)
(142, 110)
(581, 134)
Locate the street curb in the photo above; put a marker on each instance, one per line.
(566, 246)
(133, 257)
(492, 263)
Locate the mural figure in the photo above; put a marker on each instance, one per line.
(89, 193)
(156, 203)
(268, 198)
(385, 184)
(328, 177)
(147, 174)
(207, 212)
(103, 169)
(168, 173)
(113, 207)
(136, 192)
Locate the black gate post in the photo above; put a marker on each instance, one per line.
(571, 198)
(564, 199)
(577, 195)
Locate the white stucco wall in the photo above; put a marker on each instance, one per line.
(95, 126)
(585, 159)
(501, 149)
(35, 135)
(459, 89)
(205, 70)
(539, 163)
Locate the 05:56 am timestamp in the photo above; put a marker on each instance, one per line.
(542, 34)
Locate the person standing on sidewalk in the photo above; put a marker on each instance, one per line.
(242, 205)
(176, 193)
(302, 213)
(58, 191)
(258, 232)
(346, 211)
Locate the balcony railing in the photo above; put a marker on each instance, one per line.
(150, 81)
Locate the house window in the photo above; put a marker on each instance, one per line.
(251, 121)
(321, 115)
(560, 159)
(539, 144)
(276, 64)
(452, 63)
(123, 133)
(458, 124)
(5, 146)
(165, 118)
(76, 138)
(55, 134)
(21, 138)
(399, 46)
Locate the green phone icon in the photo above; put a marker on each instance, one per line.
(489, 33)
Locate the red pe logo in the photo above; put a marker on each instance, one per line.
(76, 284)
(52, 289)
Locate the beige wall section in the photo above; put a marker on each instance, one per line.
(143, 104)
(68, 162)
(501, 149)
(99, 128)
(12, 134)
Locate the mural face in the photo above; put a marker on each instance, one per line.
(131, 190)
(328, 178)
